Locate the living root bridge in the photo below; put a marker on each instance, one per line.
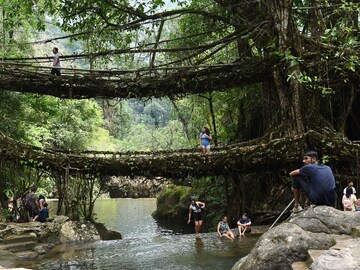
(157, 82)
(278, 154)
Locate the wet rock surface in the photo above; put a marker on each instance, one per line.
(26, 241)
(319, 228)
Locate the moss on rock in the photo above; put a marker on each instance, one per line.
(172, 204)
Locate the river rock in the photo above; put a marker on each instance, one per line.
(343, 256)
(107, 234)
(27, 255)
(74, 231)
(316, 228)
(59, 219)
(135, 187)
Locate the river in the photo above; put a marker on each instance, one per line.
(145, 244)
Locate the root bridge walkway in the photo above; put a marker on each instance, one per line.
(240, 158)
(139, 83)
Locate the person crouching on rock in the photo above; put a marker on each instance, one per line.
(43, 214)
(195, 211)
(316, 180)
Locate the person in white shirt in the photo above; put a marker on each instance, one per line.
(350, 185)
(56, 62)
(349, 200)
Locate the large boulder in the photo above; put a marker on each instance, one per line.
(74, 231)
(173, 204)
(106, 234)
(316, 228)
(135, 187)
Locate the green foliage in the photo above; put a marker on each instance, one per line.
(19, 19)
(7, 214)
(345, 40)
(142, 139)
(48, 122)
(172, 203)
(312, 83)
(325, 159)
(75, 125)
(211, 190)
(9, 193)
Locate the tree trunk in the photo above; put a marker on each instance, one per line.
(296, 88)
(213, 119)
(291, 113)
(182, 119)
(345, 115)
(2, 186)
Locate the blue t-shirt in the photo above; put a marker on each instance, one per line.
(244, 221)
(321, 181)
(204, 140)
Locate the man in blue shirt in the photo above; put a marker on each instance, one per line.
(244, 224)
(316, 180)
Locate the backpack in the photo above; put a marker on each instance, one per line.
(347, 204)
(28, 201)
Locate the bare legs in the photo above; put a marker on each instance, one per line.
(296, 196)
(205, 150)
(242, 229)
(198, 224)
(229, 234)
(297, 193)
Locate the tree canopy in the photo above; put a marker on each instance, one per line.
(308, 50)
(284, 67)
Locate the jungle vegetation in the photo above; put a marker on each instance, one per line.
(307, 51)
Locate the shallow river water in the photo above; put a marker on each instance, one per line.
(145, 244)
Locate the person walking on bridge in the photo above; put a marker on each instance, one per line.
(195, 211)
(205, 138)
(56, 62)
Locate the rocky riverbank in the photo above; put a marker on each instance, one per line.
(135, 187)
(319, 238)
(27, 241)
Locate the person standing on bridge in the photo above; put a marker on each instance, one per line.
(195, 211)
(56, 62)
(205, 138)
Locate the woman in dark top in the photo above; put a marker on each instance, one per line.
(195, 211)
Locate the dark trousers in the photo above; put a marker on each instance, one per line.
(326, 197)
(55, 71)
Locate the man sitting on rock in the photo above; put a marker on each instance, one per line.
(244, 224)
(316, 180)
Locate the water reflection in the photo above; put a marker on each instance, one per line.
(146, 245)
(199, 245)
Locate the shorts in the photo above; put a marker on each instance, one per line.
(197, 216)
(205, 146)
